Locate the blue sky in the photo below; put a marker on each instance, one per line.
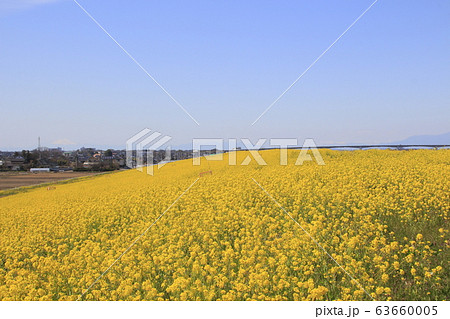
(64, 80)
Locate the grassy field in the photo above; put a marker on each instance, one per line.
(381, 215)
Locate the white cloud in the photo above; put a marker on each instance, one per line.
(8, 5)
(63, 141)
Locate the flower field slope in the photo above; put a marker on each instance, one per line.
(382, 215)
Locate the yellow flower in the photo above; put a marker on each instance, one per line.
(317, 293)
(226, 239)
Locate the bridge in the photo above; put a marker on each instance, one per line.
(368, 146)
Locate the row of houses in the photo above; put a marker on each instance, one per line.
(12, 164)
(55, 159)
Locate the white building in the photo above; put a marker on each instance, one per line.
(39, 170)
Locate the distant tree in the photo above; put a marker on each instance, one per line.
(29, 157)
(62, 161)
(108, 152)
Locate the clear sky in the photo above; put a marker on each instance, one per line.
(63, 79)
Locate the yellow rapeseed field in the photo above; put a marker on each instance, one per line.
(381, 214)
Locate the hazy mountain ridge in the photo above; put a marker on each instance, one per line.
(440, 139)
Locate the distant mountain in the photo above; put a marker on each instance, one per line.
(440, 139)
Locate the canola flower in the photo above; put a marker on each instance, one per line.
(381, 214)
